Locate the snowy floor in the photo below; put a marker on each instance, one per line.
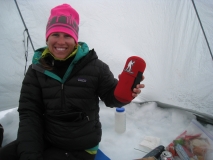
(142, 120)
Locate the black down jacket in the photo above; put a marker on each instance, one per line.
(64, 113)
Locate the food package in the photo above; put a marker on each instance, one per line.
(195, 143)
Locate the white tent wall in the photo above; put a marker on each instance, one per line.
(12, 57)
(165, 33)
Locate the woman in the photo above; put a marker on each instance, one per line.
(59, 101)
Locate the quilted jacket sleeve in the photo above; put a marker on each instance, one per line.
(107, 86)
(31, 110)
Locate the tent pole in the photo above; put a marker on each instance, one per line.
(24, 25)
(202, 28)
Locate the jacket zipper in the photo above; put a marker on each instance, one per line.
(67, 155)
(62, 95)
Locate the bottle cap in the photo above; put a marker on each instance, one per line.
(120, 109)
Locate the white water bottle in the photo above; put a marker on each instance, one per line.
(120, 120)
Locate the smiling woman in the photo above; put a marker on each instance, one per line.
(59, 101)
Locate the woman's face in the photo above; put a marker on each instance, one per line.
(60, 44)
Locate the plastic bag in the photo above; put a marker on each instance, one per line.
(195, 143)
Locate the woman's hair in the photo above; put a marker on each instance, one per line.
(47, 63)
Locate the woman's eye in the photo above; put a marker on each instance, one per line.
(55, 35)
(67, 35)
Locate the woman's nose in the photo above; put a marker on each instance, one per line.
(61, 40)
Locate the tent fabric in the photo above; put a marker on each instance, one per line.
(166, 34)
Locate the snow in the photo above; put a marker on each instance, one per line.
(142, 120)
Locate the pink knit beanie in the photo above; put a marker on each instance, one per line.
(63, 18)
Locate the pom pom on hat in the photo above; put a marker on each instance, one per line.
(63, 18)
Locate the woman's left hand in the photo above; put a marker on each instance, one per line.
(137, 90)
